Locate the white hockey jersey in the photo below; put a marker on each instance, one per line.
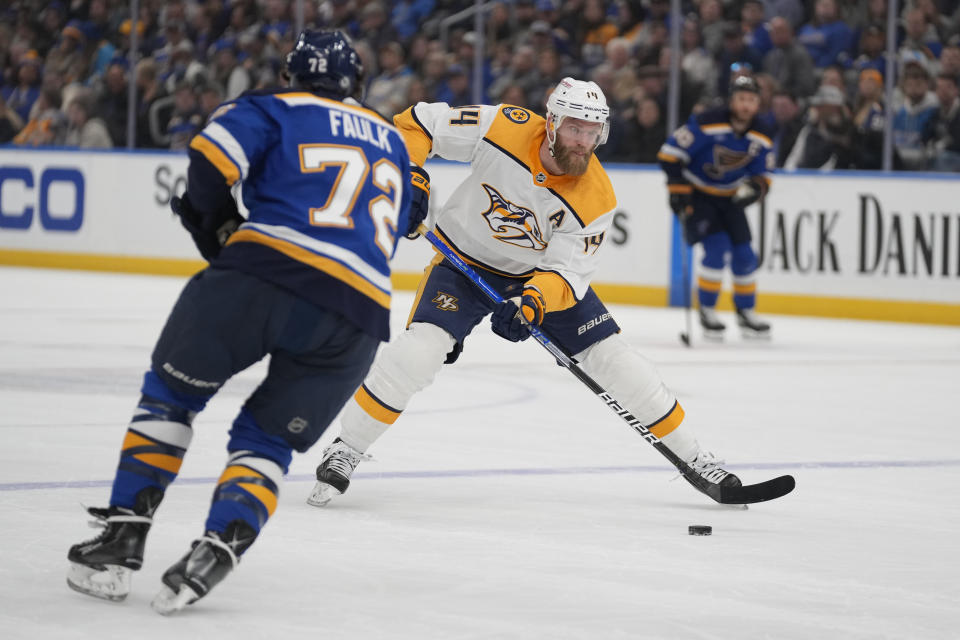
(510, 215)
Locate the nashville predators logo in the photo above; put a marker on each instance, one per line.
(513, 224)
(516, 114)
(446, 302)
(726, 160)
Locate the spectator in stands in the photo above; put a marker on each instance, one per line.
(186, 120)
(950, 59)
(374, 26)
(734, 52)
(756, 31)
(514, 94)
(594, 32)
(111, 101)
(833, 76)
(84, 128)
(46, 124)
(789, 121)
(21, 95)
(712, 25)
(915, 120)
(825, 141)
(872, 51)
(630, 18)
(407, 15)
(387, 91)
(455, 90)
(697, 62)
(788, 61)
(919, 36)
(184, 67)
(154, 107)
(522, 73)
(226, 69)
(643, 133)
(826, 37)
(10, 122)
(947, 131)
(210, 97)
(791, 10)
(68, 58)
(868, 121)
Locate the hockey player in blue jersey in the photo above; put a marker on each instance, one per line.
(716, 165)
(296, 197)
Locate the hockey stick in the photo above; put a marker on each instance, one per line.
(747, 494)
(685, 337)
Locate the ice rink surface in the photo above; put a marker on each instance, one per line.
(508, 502)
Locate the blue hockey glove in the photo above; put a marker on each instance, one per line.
(511, 318)
(419, 201)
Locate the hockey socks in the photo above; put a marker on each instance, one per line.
(249, 485)
(156, 441)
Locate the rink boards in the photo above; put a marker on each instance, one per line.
(852, 244)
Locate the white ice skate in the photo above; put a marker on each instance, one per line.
(712, 327)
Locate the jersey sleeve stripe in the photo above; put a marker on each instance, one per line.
(413, 114)
(225, 140)
(216, 156)
(759, 137)
(670, 153)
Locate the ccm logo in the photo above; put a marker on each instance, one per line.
(57, 196)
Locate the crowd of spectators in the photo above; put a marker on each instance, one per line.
(820, 64)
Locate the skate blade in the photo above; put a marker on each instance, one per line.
(322, 494)
(168, 602)
(713, 336)
(112, 584)
(754, 335)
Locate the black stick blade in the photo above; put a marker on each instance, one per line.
(760, 492)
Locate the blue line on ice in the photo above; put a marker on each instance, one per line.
(547, 471)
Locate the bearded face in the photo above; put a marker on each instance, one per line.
(576, 140)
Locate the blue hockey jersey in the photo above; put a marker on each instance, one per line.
(324, 187)
(709, 155)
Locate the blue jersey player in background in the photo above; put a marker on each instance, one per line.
(296, 197)
(716, 165)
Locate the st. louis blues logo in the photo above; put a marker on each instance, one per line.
(513, 224)
(726, 160)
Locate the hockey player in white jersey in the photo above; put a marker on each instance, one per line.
(531, 218)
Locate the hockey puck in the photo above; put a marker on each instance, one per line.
(700, 530)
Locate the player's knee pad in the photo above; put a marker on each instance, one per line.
(629, 377)
(408, 364)
(247, 435)
(744, 259)
(715, 248)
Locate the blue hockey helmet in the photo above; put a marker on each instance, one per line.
(325, 60)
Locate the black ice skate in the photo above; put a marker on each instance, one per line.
(712, 327)
(207, 563)
(102, 567)
(751, 326)
(333, 475)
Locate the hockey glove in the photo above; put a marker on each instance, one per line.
(209, 233)
(681, 199)
(419, 201)
(749, 192)
(511, 318)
